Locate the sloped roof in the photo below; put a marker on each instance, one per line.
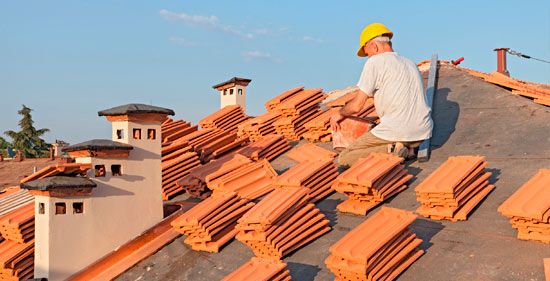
(98, 144)
(59, 182)
(135, 108)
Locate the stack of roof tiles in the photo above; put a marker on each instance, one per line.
(227, 119)
(370, 181)
(529, 208)
(224, 150)
(250, 181)
(211, 224)
(280, 223)
(318, 129)
(18, 225)
(16, 260)
(260, 269)
(380, 248)
(268, 147)
(259, 126)
(196, 182)
(16, 242)
(454, 189)
(174, 170)
(317, 175)
(296, 111)
(172, 130)
(309, 151)
(273, 104)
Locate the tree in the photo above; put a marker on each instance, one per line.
(28, 139)
(3, 145)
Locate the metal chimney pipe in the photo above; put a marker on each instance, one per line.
(501, 60)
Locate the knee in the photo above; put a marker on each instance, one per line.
(345, 159)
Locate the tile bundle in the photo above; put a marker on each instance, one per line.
(172, 130)
(250, 181)
(370, 181)
(174, 170)
(227, 119)
(259, 126)
(274, 103)
(454, 189)
(309, 151)
(18, 225)
(195, 183)
(380, 248)
(260, 269)
(292, 127)
(268, 147)
(280, 223)
(16, 260)
(529, 208)
(211, 223)
(315, 175)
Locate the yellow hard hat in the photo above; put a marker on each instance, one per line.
(370, 32)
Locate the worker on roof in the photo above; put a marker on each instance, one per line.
(399, 99)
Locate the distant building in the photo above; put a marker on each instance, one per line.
(233, 92)
(80, 219)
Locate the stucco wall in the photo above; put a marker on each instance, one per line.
(119, 209)
(236, 98)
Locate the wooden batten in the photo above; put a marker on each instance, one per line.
(145, 117)
(100, 153)
(63, 192)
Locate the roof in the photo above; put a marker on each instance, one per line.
(54, 182)
(135, 108)
(98, 144)
(233, 80)
(473, 117)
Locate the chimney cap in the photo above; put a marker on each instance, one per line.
(135, 108)
(233, 81)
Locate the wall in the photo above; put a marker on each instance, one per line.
(229, 99)
(119, 209)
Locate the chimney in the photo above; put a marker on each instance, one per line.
(501, 60)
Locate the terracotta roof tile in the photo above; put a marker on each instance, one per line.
(211, 223)
(18, 225)
(378, 249)
(195, 183)
(281, 223)
(227, 118)
(268, 147)
(274, 103)
(454, 189)
(309, 151)
(315, 175)
(250, 181)
(16, 260)
(529, 210)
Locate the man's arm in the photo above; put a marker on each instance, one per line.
(351, 108)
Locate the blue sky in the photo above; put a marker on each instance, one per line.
(69, 59)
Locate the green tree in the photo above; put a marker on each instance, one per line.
(3, 145)
(28, 138)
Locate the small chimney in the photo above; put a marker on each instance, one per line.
(501, 60)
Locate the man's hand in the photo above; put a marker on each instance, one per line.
(335, 121)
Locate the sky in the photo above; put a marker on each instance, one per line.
(69, 59)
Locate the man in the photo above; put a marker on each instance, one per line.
(399, 100)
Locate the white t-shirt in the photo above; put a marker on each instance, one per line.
(399, 97)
